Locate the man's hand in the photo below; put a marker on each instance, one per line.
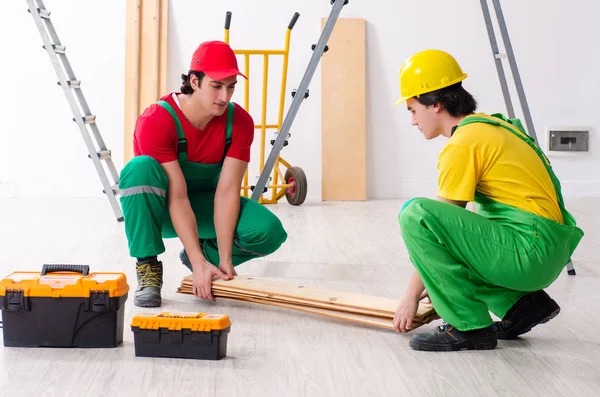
(405, 313)
(202, 278)
(409, 304)
(228, 268)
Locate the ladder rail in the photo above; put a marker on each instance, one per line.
(515, 70)
(515, 73)
(497, 58)
(65, 76)
(512, 63)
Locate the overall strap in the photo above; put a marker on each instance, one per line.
(515, 126)
(512, 125)
(182, 143)
(229, 127)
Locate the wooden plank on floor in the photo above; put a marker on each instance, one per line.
(360, 318)
(379, 322)
(297, 302)
(334, 298)
(343, 112)
(267, 291)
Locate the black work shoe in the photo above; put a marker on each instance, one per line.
(530, 310)
(184, 258)
(150, 281)
(447, 338)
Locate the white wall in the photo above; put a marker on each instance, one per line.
(41, 144)
(39, 141)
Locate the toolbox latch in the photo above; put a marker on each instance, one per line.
(15, 301)
(99, 301)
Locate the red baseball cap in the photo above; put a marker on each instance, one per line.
(216, 59)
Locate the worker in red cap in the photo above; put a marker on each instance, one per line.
(192, 150)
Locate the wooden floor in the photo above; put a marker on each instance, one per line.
(353, 247)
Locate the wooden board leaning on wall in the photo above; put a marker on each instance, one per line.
(145, 61)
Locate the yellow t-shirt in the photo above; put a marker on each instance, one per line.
(494, 162)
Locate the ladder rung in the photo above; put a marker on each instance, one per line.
(500, 56)
(88, 119)
(114, 188)
(44, 13)
(59, 49)
(103, 154)
(72, 83)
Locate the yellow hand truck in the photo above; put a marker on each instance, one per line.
(292, 184)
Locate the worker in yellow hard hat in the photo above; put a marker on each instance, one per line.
(500, 258)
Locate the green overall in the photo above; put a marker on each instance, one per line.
(144, 189)
(475, 263)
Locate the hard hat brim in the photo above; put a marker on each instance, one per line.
(439, 87)
(399, 101)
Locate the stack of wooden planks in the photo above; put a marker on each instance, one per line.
(363, 309)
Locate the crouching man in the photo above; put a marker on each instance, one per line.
(500, 258)
(192, 149)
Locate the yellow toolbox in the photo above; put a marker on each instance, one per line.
(181, 335)
(63, 306)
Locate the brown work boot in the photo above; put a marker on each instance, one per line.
(530, 310)
(150, 281)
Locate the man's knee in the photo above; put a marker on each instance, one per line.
(143, 171)
(274, 234)
(267, 235)
(412, 212)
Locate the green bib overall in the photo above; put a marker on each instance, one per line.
(474, 263)
(144, 190)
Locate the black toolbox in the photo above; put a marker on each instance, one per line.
(181, 335)
(63, 306)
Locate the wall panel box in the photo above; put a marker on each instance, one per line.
(568, 140)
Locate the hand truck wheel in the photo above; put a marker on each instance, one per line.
(296, 194)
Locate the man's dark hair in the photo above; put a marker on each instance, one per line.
(186, 86)
(455, 99)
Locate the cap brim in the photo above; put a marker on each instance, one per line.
(223, 73)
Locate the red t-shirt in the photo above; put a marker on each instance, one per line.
(155, 135)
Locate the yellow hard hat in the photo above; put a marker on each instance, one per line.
(427, 71)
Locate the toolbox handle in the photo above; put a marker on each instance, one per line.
(83, 269)
(293, 21)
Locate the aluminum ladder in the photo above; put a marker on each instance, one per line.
(72, 90)
(515, 72)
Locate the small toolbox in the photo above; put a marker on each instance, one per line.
(63, 306)
(181, 335)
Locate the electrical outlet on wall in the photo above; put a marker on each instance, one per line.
(568, 140)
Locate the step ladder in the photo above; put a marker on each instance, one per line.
(498, 56)
(72, 90)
